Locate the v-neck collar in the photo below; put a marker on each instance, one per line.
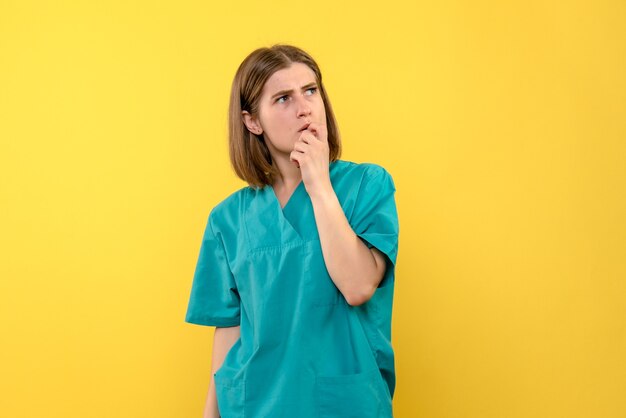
(293, 222)
(296, 190)
(286, 225)
(291, 197)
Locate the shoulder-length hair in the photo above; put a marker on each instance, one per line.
(249, 154)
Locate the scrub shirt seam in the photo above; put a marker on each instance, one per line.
(290, 244)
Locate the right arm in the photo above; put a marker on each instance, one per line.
(223, 340)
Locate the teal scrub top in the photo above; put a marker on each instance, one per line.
(303, 351)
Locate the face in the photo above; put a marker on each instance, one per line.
(290, 99)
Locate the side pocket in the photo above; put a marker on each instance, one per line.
(360, 395)
(231, 392)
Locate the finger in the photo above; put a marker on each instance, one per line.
(309, 134)
(307, 137)
(301, 146)
(314, 129)
(295, 157)
(318, 130)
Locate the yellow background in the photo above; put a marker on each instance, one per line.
(502, 123)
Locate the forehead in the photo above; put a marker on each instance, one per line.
(292, 77)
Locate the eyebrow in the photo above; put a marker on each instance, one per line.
(305, 87)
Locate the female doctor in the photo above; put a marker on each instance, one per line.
(296, 270)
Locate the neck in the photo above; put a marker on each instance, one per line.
(290, 174)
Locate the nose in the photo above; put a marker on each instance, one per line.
(304, 107)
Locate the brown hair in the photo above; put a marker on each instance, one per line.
(249, 154)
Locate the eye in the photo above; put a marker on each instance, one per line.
(313, 89)
(279, 100)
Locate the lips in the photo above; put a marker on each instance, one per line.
(304, 127)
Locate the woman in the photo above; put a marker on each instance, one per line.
(296, 270)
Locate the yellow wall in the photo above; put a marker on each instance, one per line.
(503, 124)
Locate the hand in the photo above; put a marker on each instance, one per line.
(311, 155)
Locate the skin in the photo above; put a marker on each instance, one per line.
(304, 156)
(223, 340)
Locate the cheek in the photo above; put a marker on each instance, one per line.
(322, 108)
(275, 127)
(270, 121)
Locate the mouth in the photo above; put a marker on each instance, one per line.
(304, 127)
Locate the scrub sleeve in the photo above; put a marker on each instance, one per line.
(214, 299)
(375, 218)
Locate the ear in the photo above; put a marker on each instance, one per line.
(251, 123)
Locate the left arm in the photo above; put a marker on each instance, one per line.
(355, 269)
